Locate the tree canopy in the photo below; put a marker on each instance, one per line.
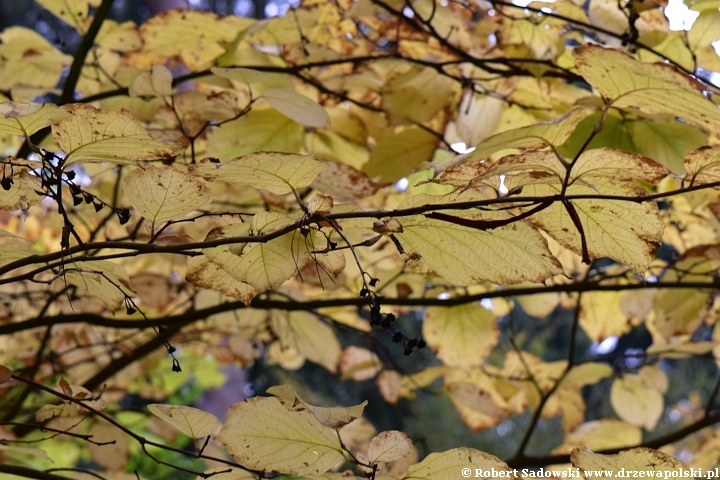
(508, 214)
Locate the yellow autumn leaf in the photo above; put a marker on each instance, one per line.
(26, 118)
(601, 435)
(309, 336)
(29, 60)
(193, 422)
(122, 37)
(416, 96)
(389, 446)
(705, 29)
(553, 133)
(102, 279)
(226, 473)
(650, 88)
(359, 364)
(193, 36)
(636, 403)
(262, 434)
(164, 193)
(703, 166)
(92, 135)
(297, 107)
(601, 316)
(25, 190)
(72, 12)
(461, 336)
(203, 273)
(396, 155)
(332, 417)
(258, 131)
(279, 173)
(627, 232)
(155, 83)
(243, 75)
(446, 465)
(464, 256)
(635, 460)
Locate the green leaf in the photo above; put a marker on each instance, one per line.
(193, 422)
(92, 135)
(279, 173)
(26, 118)
(446, 465)
(651, 88)
(262, 434)
(164, 193)
(297, 107)
(396, 155)
(461, 336)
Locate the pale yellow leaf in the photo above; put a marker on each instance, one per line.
(389, 383)
(332, 417)
(123, 37)
(155, 83)
(262, 434)
(359, 364)
(703, 166)
(26, 118)
(478, 117)
(601, 435)
(416, 96)
(635, 403)
(243, 75)
(193, 36)
(389, 446)
(396, 155)
(635, 460)
(279, 173)
(29, 61)
(627, 232)
(297, 107)
(705, 30)
(553, 132)
(113, 456)
(203, 273)
(102, 279)
(193, 422)
(601, 316)
(164, 193)
(259, 130)
(650, 88)
(446, 465)
(310, 337)
(461, 336)
(25, 189)
(464, 256)
(72, 12)
(92, 135)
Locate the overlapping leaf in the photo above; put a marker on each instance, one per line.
(279, 173)
(92, 135)
(262, 434)
(650, 88)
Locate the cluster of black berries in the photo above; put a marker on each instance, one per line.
(386, 321)
(79, 196)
